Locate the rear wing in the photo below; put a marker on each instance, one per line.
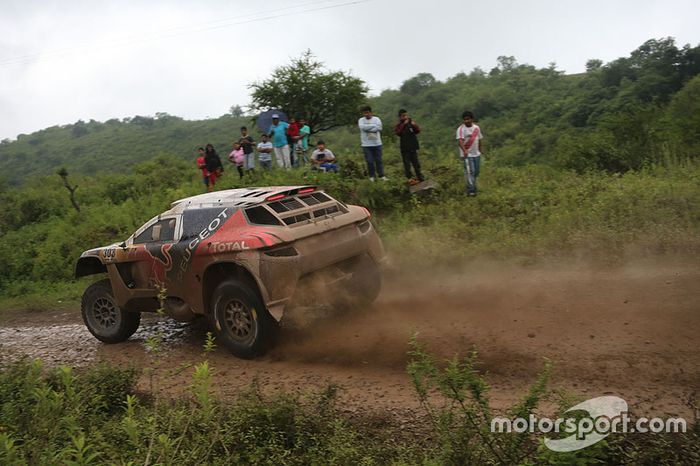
(295, 207)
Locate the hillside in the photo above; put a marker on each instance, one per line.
(607, 118)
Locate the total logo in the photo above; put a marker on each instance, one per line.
(227, 247)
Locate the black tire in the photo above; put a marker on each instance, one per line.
(240, 319)
(363, 288)
(105, 320)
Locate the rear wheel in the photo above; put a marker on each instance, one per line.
(362, 289)
(103, 318)
(240, 319)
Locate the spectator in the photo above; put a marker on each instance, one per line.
(265, 152)
(278, 133)
(248, 145)
(292, 137)
(302, 143)
(323, 159)
(469, 138)
(371, 139)
(213, 164)
(407, 129)
(203, 166)
(237, 157)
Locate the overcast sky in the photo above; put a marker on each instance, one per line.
(61, 61)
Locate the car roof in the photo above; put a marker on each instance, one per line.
(241, 197)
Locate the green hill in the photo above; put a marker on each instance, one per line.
(615, 116)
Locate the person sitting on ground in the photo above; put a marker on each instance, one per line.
(237, 157)
(323, 159)
(213, 164)
(203, 166)
(265, 152)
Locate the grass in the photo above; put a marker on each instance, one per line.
(526, 214)
(95, 416)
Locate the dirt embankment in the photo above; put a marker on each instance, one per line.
(631, 331)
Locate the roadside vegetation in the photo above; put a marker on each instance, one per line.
(529, 213)
(96, 416)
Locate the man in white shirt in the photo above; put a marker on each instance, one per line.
(265, 152)
(469, 138)
(323, 159)
(371, 139)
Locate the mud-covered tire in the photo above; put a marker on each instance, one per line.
(363, 288)
(241, 322)
(103, 318)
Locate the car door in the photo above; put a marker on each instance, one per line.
(156, 240)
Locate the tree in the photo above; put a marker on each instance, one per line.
(236, 111)
(78, 129)
(683, 115)
(417, 83)
(63, 173)
(593, 64)
(326, 99)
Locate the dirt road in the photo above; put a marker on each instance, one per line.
(632, 331)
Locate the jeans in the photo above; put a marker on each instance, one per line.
(301, 159)
(471, 172)
(249, 163)
(410, 157)
(329, 167)
(266, 164)
(373, 157)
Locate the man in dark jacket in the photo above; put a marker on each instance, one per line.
(407, 130)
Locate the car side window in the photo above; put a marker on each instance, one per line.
(163, 230)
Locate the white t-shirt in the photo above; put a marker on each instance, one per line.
(465, 132)
(324, 154)
(370, 131)
(265, 156)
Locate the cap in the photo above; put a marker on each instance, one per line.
(274, 115)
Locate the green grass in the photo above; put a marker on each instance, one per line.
(529, 214)
(95, 416)
(44, 296)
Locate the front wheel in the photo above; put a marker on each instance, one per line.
(240, 319)
(105, 320)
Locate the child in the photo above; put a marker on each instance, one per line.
(265, 152)
(302, 144)
(237, 157)
(203, 166)
(323, 159)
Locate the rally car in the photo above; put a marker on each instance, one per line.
(240, 257)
